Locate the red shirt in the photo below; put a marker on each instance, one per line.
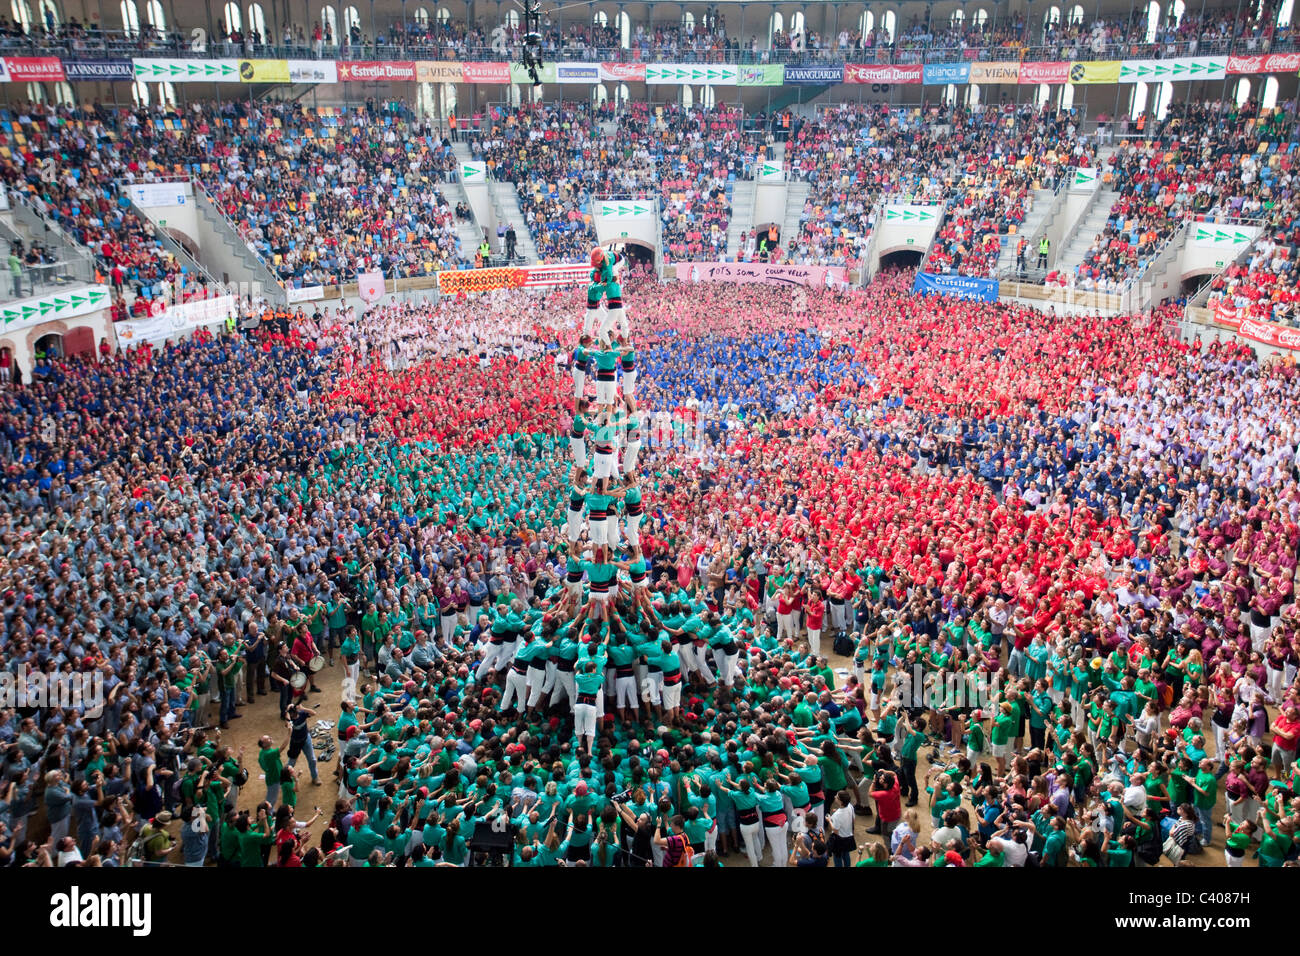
(888, 803)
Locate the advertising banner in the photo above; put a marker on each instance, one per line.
(313, 71)
(308, 293)
(152, 195)
(765, 74)
(174, 320)
(762, 273)
(712, 74)
(1278, 336)
(623, 72)
(377, 71)
(1266, 63)
(877, 73)
(38, 309)
(519, 73)
(76, 70)
(1209, 234)
(433, 71)
(263, 71)
(962, 287)
(626, 209)
(995, 72)
(941, 74)
(1084, 180)
(577, 73)
(456, 281)
(814, 75)
(1184, 68)
(486, 72)
(770, 172)
(473, 173)
(1095, 71)
(1044, 72)
(36, 69)
(186, 71)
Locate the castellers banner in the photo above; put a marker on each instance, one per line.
(962, 287)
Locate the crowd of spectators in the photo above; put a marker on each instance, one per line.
(1210, 162)
(1060, 514)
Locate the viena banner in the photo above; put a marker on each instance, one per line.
(962, 287)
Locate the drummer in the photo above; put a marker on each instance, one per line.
(306, 653)
(288, 678)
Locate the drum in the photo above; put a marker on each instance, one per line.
(298, 681)
(316, 663)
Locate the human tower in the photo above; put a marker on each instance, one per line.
(602, 643)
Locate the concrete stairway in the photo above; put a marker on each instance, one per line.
(742, 215)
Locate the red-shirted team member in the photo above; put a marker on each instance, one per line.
(304, 649)
(814, 612)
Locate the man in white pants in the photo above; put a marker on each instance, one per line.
(578, 435)
(603, 439)
(580, 359)
(588, 684)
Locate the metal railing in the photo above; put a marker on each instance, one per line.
(905, 50)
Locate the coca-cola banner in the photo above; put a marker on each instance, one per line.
(878, 73)
(1278, 336)
(622, 72)
(1264, 63)
(377, 71)
(486, 72)
(1044, 72)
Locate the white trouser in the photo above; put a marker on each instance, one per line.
(606, 391)
(611, 533)
(606, 466)
(597, 529)
(579, 382)
(1274, 683)
(584, 719)
(652, 687)
(629, 383)
(672, 695)
(491, 659)
(564, 684)
(630, 456)
(590, 320)
(448, 628)
(516, 690)
(776, 839)
(574, 526)
(724, 663)
(815, 642)
(784, 626)
(538, 678)
(632, 529)
(625, 692)
(752, 834)
(579, 448)
(613, 320)
(701, 655)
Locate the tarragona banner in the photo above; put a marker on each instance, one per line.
(456, 281)
(1278, 336)
(762, 273)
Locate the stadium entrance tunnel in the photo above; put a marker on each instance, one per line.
(638, 253)
(901, 259)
